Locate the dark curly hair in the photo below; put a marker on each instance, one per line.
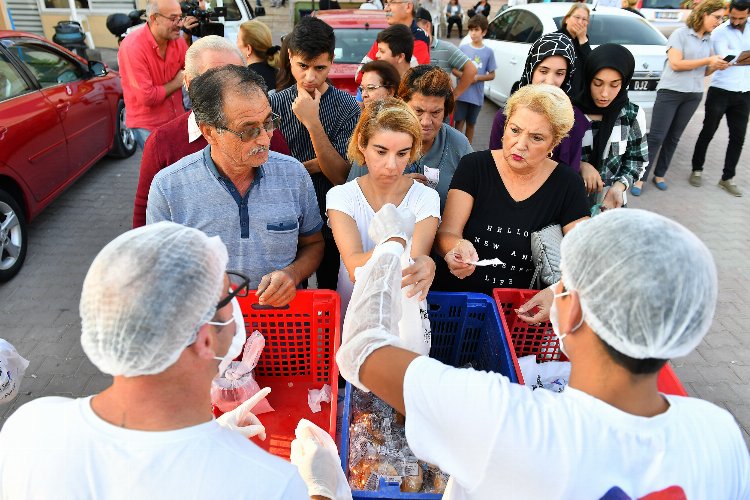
(428, 81)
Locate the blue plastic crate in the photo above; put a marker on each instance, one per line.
(466, 329)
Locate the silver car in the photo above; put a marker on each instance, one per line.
(512, 32)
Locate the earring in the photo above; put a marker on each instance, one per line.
(549, 155)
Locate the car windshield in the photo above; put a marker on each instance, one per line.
(624, 30)
(662, 4)
(353, 44)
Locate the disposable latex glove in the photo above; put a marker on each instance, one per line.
(371, 321)
(391, 222)
(242, 420)
(316, 457)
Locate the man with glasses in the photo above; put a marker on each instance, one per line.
(180, 137)
(261, 204)
(158, 314)
(728, 94)
(151, 60)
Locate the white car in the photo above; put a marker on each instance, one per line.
(512, 32)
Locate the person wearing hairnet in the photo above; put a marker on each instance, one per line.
(611, 434)
(159, 315)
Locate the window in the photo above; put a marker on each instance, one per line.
(11, 82)
(621, 29)
(526, 29)
(499, 27)
(352, 45)
(48, 66)
(63, 4)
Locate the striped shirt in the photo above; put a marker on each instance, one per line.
(339, 113)
(447, 56)
(626, 155)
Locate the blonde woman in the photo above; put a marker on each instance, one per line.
(386, 139)
(256, 44)
(680, 90)
(498, 198)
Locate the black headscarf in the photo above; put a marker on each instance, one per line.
(551, 44)
(618, 58)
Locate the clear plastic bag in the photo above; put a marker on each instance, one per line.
(237, 384)
(378, 448)
(12, 368)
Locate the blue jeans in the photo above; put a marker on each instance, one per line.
(140, 135)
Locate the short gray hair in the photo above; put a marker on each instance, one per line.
(208, 91)
(210, 42)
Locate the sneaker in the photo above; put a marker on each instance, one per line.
(696, 178)
(730, 187)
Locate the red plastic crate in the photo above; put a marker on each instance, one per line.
(300, 354)
(541, 341)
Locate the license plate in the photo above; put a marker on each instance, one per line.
(667, 15)
(638, 85)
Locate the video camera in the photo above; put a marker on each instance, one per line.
(204, 16)
(119, 24)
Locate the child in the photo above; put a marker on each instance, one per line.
(470, 102)
(396, 46)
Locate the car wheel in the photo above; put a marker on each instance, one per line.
(13, 239)
(124, 145)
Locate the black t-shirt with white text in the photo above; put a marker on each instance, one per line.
(500, 227)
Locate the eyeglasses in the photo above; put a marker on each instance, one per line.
(252, 133)
(584, 20)
(718, 17)
(173, 19)
(238, 287)
(370, 88)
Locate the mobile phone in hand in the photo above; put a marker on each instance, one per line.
(729, 58)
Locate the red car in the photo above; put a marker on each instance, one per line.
(355, 30)
(59, 114)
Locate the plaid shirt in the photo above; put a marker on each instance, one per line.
(626, 155)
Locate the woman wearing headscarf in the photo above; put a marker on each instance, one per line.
(551, 60)
(616, 145)
(575, 26)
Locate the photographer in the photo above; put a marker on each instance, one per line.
(151, 61)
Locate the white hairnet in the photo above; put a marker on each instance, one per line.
(146, 295)
(647, 285)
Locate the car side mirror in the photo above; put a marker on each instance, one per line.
(97, 68)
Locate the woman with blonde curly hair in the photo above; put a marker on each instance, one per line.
(498, 198)
(385, 140)
(255, 43)
(680, 90)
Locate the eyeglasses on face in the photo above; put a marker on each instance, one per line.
(252, 133)
(582, 19)
(173, 19)
(238, 287)
(370, 88)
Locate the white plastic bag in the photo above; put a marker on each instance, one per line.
(12, 368)
(551, 375)
(414, 325)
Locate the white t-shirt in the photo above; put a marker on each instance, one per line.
(348, 198)
(502, 440)
(57, 447)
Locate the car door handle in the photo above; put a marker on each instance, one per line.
(63, 107)
(3, 130)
